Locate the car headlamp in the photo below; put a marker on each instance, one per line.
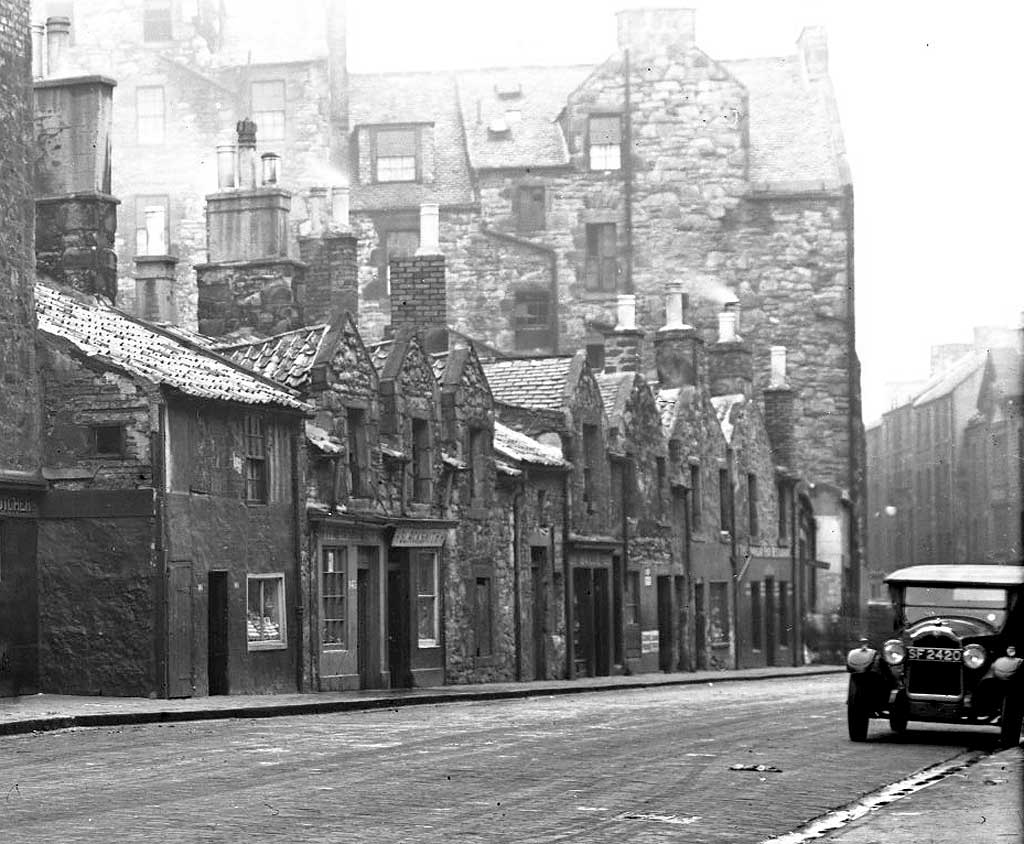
(894, 652)
(974, 656)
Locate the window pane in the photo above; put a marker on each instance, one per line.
(333, 594)
(149, 109)
(605, 157)
(268, 109)
(426, 601)
(156, 20)
(397, 168)
(264, 616)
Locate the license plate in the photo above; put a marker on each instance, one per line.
(935, 654)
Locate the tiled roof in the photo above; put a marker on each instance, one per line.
(792, 135)
(286, 357)
(724, 407)
(382, 98)
(379, 353)
(535, 140)
(108, 335)
(523, 449)
(537, 383)
(943, 383)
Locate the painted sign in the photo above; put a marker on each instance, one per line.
(16, 505)
(649, 642)
(410, 537)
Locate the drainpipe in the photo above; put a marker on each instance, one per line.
(853, 428)
(158, 452)
(517, 500)
(627, 171)
(688, 575)
(733, 561)
(567, 586)
(300, 566)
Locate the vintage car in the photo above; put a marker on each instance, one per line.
(954, 655)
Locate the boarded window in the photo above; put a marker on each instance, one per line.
(255, 461)
(156, 20)
(604, 142)
(753, 524)
(108, 440)
(533, 320)
(602, 267)
(268, 109)
(395, 155)
(695, 497)
(530, 208)
(783, 494)
(333, 583)
(724, 501)
(591, 455)
(149, 114)
(476, 463)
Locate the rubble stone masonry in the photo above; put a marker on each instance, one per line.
(19, 405)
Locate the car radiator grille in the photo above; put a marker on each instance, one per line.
(934, 678)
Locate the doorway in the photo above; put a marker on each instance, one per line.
(665, 636)
(538, 556)
(769, 620)
(399, 631)
(217, 633)
(179, 629)
(682, 661)
(700, 626)
(591, 621)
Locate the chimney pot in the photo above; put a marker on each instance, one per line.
(626, 312)
(271, 168)
(727, 326)
(317, 199)
(430, 229)
(58, 39)
(340, 206)
(156, 229)
(227, 157)
(778, 374)
(246, 130)
(38, 40)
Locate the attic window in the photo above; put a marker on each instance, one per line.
(508, 90)
(395, 153)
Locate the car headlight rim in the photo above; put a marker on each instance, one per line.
(894, 652)
(974, 655)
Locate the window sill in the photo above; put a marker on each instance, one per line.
(268, 646)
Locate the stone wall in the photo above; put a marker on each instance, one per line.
(19, 407)
(331, 276)
(250, 297)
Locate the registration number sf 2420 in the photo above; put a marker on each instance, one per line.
(935, 654)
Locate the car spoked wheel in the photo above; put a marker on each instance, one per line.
(1011, 719)
(857, 713)
(899, 714)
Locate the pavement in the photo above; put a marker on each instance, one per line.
(980, 802)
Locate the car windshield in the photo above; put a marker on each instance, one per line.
(983, 603)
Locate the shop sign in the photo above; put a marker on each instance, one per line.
(411, 537)
(649, 642)
(16, 505)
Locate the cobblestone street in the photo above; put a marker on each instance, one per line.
(616, 766)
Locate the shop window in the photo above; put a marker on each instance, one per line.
(533, 320)
(695, 497)
(265, 615)
(395, 152)
(602, 260)
(333, 593)
(718, 613)
(268, 109)
(108, 440)
(422, 462)
(358, 452)
(255, 461)
(604, 142)
(149, 114)
(530, 208)
(755, 616)
(483, 617)
(152, 240)
(426, 599)
(156, 20)
(753, 523)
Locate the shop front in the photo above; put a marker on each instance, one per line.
(591, 604)
(19, 589)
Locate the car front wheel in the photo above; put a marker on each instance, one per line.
(857, 713)
(1011, 718)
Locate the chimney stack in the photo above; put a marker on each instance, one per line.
(419, 294)
(730, 359)
(623, 345)
(813, 47)
(337, 74)
(329, 251)
(227, 166)
(678, 347)
(779, 411)
(58, 41)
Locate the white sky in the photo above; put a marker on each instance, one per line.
(930, 107)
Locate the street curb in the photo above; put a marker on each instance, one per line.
(452, 694)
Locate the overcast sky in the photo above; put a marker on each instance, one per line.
(929, 98)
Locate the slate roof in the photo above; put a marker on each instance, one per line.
(382, 98)
(144, 351)
(536, 140)
(523, 449)
(286, 357)
(379, 353)
(945, 382)
(792, 136)
(724, 408)
(537, 383)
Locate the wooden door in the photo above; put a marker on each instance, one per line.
(399, 626)
(665, 636)
(602, 622)
(769, 620)
(700, 622)
(179, 629)
(217, 636)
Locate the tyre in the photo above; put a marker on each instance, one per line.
(1010, 719)
(857, 713)
(899, 714)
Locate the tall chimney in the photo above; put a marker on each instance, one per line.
(813, 47)
(58, 41)
(730, 360)
(419, 298)
(154, 288)
(678, 347)
(430, 229)
(337, 72)
(227, 166)
(623, 346)
(340, 205)
(329, 252)
(779, 411)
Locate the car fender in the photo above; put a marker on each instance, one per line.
(861, 660)
(1006, 667)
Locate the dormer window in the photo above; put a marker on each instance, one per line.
(395, 154)
(604, 142)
